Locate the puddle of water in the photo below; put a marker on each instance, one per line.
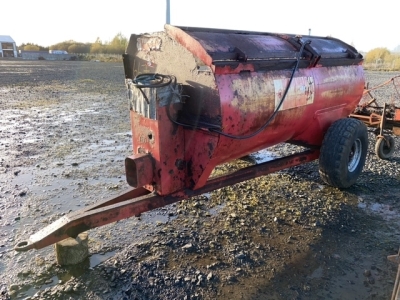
(17, 72)
(107, 145)
(384, 210)
(87, 111)
(13, 116)
(207, 195)
(30, 141)
(127, 133)
(67, 119)
(262, 156)
(97, 259)
(71, 271)
(318, 272)
(155, 218)
(27, 179)
(23, 179)
(33, 290)
(216, 209)
(73, 116)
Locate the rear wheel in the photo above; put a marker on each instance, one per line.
(343, 152)
(384, 147)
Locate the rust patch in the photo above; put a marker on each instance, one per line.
(333, 93)
(180, 164)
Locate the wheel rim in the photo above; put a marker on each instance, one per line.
(355, 155)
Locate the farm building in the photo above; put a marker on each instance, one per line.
(8, 48)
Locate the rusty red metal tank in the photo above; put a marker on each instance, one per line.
(201, 97)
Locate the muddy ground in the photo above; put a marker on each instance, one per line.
(64, 134)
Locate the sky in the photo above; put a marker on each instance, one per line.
(365, 25)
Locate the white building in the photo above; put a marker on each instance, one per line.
(8, 48)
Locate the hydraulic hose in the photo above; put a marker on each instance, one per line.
(272, 117)
(150, 80)
(154, 80)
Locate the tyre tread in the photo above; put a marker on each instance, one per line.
(379, 148)
(337, 140)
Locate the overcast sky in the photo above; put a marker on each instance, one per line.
(45, 22)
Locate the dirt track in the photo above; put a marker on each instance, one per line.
(64, 133)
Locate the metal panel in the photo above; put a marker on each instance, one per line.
(228, 45)
(301, 92)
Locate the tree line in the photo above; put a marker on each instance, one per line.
(382, 59)
(378, 58)
(116, 46)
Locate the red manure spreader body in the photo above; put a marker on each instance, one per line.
(202, 97)
(225, 87)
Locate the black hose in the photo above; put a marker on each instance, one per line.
(150, 80)
(154, 80)
(173, 79)
(272, 117)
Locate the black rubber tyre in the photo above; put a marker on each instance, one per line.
(384, 147)
(343, 152)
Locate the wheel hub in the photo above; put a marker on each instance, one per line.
(355, 155)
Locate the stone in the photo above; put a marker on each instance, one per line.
(72, 251)
(68, 289)
(13, 287)
(241, 255)
(367, 273)
(187, 247)
(209, 276)
(13, 294)
(371, 280)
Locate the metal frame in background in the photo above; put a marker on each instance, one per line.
(385, 119)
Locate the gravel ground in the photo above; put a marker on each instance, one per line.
(64, 134)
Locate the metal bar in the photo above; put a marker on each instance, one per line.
(396, 114)
(395, 259)
(382, 125)
(129, 194)
(395, 292)
(74, 223)
(370, 120)
(136, 201)
(395, 122)
(168, 12)
(256, 171)
(382, 84)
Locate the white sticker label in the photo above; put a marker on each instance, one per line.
(300, 93)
